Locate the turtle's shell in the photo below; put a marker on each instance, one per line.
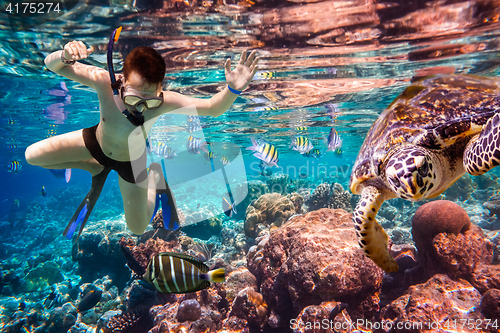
(433, 112)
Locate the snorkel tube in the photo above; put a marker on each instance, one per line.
(135, 118)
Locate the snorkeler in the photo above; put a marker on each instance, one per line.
(106, 146)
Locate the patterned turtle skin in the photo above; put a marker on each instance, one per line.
(439, 128)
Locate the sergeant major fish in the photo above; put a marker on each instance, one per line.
(195, 144)
(14, 166)
(301, 144)
(265, 152)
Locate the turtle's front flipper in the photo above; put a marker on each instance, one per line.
(483, 152)
(371, 236)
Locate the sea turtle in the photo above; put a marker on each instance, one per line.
(439, 128)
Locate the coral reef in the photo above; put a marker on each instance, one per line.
(188, 310)
(60, 319)
(331, 196)
(256, 189)
(159, 230)
(444, 299)
(237, 280)
(297, 201)
(313, 257)
(340, 198)
(202, 311)
(204, 229)
(129, 322)
(432, 218)
(331, 316)
(138, 256)
(305, 271)
(233, 245)
(278, 183)
(490, 304)
(43, 276)
(270, 209)
(249, 305)
(98, 254)
(460, 255)
(319, 197)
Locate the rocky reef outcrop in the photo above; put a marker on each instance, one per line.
(313, 258)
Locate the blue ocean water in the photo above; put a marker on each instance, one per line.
(310, 80)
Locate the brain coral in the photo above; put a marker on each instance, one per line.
(270, 209)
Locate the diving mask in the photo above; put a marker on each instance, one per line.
(136, 101)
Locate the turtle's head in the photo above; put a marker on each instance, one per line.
(410, 173)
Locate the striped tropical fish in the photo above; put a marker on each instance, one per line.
(210, 156)
(14, 166)
(178, 273)
(301, 144)
(316, 153)
(334, 141)
(194, 145)
(265, 152)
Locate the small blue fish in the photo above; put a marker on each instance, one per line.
(195, 144)
(14, 166)
(265, 152)
(228, 209)
(334, 140)
(301, 144)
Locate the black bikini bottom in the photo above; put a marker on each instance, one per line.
(124, 169)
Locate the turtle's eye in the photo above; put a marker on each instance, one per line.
(423, 168)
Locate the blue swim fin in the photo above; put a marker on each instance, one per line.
(165, 197)
(85, 209)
